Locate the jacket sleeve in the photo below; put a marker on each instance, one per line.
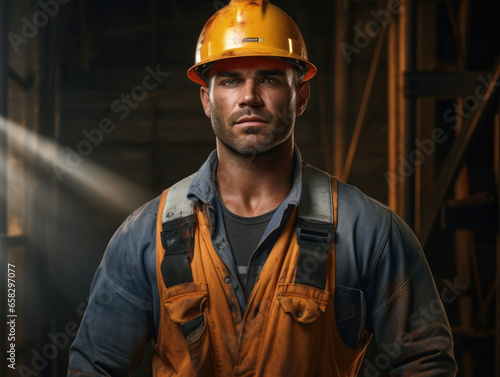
(406, 313)
(119, 319)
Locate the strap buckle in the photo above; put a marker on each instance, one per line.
(314, 236)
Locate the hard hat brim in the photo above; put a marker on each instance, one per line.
(194, 74)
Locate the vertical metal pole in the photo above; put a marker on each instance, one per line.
(407, 44)
(394, 177)
(4, 65)
(426, 107)
(463, 239)
(340, 83)
(401, 113)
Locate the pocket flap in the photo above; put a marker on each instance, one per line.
(304, 303)
(186, 301)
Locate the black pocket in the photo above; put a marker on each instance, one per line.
(193, 328)
(350, 314)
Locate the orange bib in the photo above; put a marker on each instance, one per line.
(289, 329)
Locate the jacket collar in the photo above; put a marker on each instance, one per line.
(204, 187)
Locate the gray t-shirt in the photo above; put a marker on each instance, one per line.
(244, 234)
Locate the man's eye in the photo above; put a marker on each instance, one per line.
(270, 80)
(229, 82)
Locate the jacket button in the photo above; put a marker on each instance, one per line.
(228, 281)
(299, 314)
(233, 309)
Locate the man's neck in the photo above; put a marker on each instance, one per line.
(253, 185)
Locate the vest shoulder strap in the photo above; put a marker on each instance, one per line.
(177, 234)
(315, 229)
(315, 226)
(177, 205)
(316, 200)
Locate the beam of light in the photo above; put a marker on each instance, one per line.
(94, 181)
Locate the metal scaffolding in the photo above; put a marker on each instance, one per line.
(416, 82)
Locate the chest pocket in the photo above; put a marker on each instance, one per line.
(185, 305)
(304, 303)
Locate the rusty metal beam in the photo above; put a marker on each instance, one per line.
(407, 51)
(401, 110)
(394, 187)
(452, 163)
(426, 107)
(340, 85)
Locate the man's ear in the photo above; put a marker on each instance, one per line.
(205, 99)
(303, 93)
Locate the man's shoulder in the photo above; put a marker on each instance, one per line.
(146, 215)
(142, 217)
(361, 219)
(369, 222)
(356, 205)
(368, 232)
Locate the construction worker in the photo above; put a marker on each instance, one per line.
(260, 264)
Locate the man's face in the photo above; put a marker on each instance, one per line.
(253, 102)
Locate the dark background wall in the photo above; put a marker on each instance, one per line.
(87, 144)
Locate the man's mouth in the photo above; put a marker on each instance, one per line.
(251, 121)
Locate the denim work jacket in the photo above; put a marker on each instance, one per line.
(383, 286)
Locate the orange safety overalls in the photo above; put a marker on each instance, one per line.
(289, 328)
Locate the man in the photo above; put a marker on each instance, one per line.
(259, 264)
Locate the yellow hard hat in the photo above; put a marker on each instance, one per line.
(250, 28)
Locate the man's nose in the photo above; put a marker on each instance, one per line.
(250, 95)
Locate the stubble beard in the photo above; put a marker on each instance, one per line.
(276, 137)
